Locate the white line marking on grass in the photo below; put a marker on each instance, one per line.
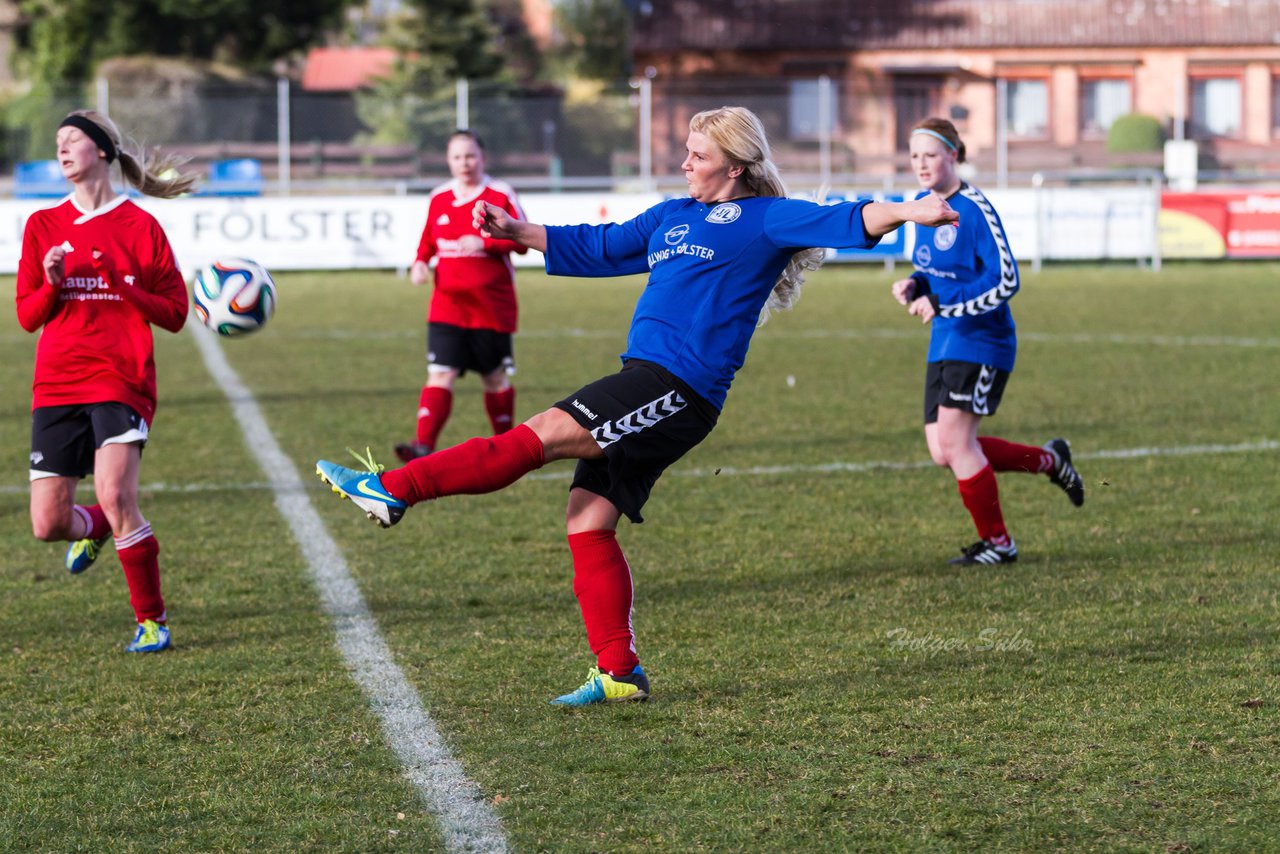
(467, 821)
(565, 473)
(848, 334)
(888, 465)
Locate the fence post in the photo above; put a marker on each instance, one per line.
(824, 131)
(1002, 132)
(462, 103)
(1157, 190)
(283, 135)
(1037, 188)
(646, 132)
(104, 96)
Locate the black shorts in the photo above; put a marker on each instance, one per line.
(644, 418)
(962, 385)
(461, 349)
(65, 438)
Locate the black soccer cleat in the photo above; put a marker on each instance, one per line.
(1064, 474)
(407, 452)
(983, 552)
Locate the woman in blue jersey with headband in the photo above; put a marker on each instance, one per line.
(718, 261)
(965, 276)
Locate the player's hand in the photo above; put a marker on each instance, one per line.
(932, 210)
(419, 273)
(904, 290)
(922, 308)
(491, 220)
(55, 266)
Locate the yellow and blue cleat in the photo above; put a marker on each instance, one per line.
(82, 553)
(602, 687)
(364, 489)
(150, 637)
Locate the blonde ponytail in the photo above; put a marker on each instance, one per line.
(152, 176)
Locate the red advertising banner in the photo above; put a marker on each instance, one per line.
(1220, 225)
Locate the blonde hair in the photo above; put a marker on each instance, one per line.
(151, 175)
(740, 135)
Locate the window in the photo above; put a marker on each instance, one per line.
(805, 109)
(1275, 105)
(1027, 108)
(1101, 103)
(1215, 106)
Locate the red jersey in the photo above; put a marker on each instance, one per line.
(96, 344)
(474, 279)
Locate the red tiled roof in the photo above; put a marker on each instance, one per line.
(341, 69)
(913, 24)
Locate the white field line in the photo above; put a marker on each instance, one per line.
(620, 335)
(466, 819)
(566, 472)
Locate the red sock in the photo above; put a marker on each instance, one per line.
(475, 467)
(1009, 456)
(94, 521)
(434, 405)
(140, 556)
(981, 497)
(602, 583)
(501, 406)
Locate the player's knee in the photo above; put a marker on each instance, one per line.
(50, 527)
(119, 505)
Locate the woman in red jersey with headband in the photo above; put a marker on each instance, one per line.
(96, 274)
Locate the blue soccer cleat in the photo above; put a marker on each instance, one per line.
(151, 637)
(365, 490)
(602, 687)
(82, 553)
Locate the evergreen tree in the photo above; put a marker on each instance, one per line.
(439, 42)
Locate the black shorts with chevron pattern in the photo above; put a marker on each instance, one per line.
(962, 385)
(644, 418)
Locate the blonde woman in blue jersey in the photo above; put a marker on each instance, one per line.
(965, 276)
(720, 258)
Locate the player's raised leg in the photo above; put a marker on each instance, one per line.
(1053, 459)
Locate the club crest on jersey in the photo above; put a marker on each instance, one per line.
(443, 219)
(944, 236)
(923, 256)
(676, 235)
(724, 213)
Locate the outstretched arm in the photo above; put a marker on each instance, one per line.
(880, 218)
(497, 224)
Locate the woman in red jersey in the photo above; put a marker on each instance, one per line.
(473, 309)
(96, 273)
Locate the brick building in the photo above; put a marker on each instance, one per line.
(1064, 70)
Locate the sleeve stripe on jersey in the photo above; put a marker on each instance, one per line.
(1008, 285)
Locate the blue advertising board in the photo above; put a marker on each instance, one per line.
(892, 247)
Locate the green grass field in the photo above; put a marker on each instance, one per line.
(823, 679)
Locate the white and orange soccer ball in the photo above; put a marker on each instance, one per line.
(234, 296)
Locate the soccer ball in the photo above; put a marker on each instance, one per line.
(234, 297)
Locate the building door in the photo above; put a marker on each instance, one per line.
(915, 97)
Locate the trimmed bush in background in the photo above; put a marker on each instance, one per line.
(1135, 132)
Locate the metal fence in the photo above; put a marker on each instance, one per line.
(628, 135)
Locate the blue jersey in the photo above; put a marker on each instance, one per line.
(710, 272)
(972, 272)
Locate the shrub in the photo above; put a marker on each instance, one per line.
(1135, 132)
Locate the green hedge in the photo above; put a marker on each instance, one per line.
(1136, 132)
